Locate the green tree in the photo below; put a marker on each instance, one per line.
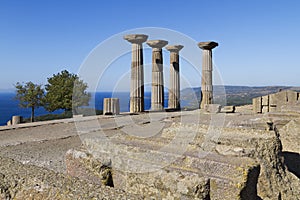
(30, 95)
(65, 91)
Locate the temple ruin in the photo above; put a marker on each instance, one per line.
(207, 67)
(286, 100)
(157, 93)
(174, 90)
(222, 155)
(137, 72)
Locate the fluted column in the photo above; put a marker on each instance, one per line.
(157, 94)
(174, 90)
(137, 72)
(207, 67)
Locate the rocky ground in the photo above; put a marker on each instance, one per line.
(45, 145)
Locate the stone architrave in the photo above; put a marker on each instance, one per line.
(157, 94)
(137, 72)
(207, 67)
(174, 90)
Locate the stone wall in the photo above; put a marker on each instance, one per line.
(286, 100)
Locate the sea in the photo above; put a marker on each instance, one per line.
(9, 106)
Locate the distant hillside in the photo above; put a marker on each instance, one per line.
(232, 95)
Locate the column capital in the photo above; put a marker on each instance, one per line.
(207, 45)
(157, 44)
(174, 48)
(136, 38)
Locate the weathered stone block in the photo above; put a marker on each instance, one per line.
(187, 176)
(281, 99)
(257, 105)
(212, 108)
(111, 106)
(265, 109)
(19, 182)
(8, 123)
(16, 120)
(272, 108)
(265, 100)
(292, 96)
(272, 100)
(81, 164)
(228, 109)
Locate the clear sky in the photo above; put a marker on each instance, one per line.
(258, 40)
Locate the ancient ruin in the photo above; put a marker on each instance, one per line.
(157, 93)
(137, 72)
(250, 166)
(286, 100)
(209, 153)
(174, 90)
(207, 67)
(111, 106)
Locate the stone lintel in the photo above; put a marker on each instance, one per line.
(207, 45)
(157, 44)
(174, 48)
(136, 38)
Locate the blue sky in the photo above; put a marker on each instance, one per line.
(258, 40)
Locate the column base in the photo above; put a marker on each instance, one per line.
(136, 104)
(156, 107)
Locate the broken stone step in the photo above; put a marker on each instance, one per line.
(134, 165)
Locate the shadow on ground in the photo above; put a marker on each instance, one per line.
(292, 161)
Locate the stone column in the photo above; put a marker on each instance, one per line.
(16, 120)
(111, 106)
(137, 72)
(207, 65)
(174, 90)
(157, 94)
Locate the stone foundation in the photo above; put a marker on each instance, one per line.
(19, 182)
(249, 166)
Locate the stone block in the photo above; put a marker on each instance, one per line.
(292, 96)
(189, 176)
(111, 106)
(257, 105)
(16, 120)
(265, 109)
(272, 108)
(8, 123)
(212, 108)
(272, 103)
(272, 100)
(20, 181)
(265, 100)
(281, 99)
(79, 163)
(228, 109)
(291, 108)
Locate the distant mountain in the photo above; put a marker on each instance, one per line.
(232, 95)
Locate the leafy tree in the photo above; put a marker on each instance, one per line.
(30, 95)
(66, 91)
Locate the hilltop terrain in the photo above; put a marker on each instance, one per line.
(232, 95)
(242, 159)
